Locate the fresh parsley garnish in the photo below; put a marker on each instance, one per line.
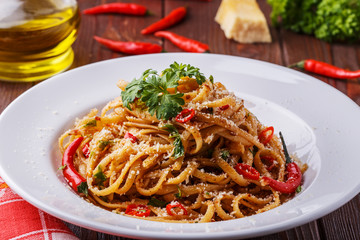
(160, 102)
(182, 70)
(100, 177)
(83, 188)
(179, 150)
(225, 154)
(62, 167)
(152, 89)
(179, 193)
(103, 144)
(91, 123)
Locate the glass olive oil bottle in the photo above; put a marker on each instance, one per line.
(36, 38)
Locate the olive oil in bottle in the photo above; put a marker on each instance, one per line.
(36, 38)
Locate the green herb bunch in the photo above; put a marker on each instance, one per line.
(329, 20)
(152, 89)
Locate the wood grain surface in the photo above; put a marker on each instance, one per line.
(286, 48)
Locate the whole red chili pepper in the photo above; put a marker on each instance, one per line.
(294, 177)
(76, 181)
(247, 171)
(138, 210)
(266, 135)
(185, 115)
(326, 69)
(123, 8)
(174, 17)
(129, 47)
(172, 205)
(186, 44)
(294, 174)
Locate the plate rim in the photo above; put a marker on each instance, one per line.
(292, 223)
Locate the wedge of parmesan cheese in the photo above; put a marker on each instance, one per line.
(243, 21)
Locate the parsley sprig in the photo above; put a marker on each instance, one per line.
(182, 70)
(179, 150)
(152, 89)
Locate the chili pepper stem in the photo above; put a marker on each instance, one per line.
(298, 65)
(286, 153)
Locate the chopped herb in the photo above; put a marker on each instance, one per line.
(254, 150)
(103, 144)
(62, 167)
(207, 193)
(298, 189)
(178, 194)
(100, 177)
(225, 154)
(83, 188)
(91, 123)
(156, 202)
(179, 150)
(211, 78)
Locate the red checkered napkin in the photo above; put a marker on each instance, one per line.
(21, 220)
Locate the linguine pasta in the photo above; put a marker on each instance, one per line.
(209, 163)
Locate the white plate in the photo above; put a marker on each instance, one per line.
(319, 124)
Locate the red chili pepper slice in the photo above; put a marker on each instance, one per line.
(86, 150)
(123, 8)
(186, 44)
(138, 210)
(172, 205)
(132, 137)
(247, 171)
(266, 135)
(294, 177)
(185, 115)
(222, 108)
(76, 181)
(174, 17)
(326, 69)
(130, 47)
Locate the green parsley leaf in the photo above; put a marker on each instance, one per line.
(156, 202)
(100, 177)
(298, 189)
(103, 144)
(178, 194)
(62, 167)
(83, 188)
(179, 150)
(225, 154)
(91, 123)
(183, 70)
(158, 99)
(134, 89)
(151, 89)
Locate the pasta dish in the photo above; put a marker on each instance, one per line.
(176, 146)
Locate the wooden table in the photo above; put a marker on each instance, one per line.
(286, 48)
